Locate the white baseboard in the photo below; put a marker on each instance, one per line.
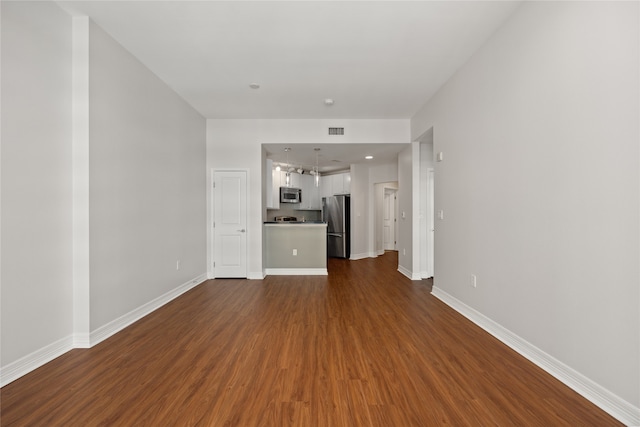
(296, 271)
(250, 276)
(81, 340)
(425, 275)
(256, 276)
(33, 361)
(615, 406)
(355, 257)
(115, 326)
(30, 362)
(408, 273)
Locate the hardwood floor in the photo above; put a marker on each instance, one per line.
(364, 346)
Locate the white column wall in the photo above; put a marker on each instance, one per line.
(407, 241)
(360, 211)
(232, 144)
(425, 210)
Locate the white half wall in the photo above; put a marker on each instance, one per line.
(540, 185)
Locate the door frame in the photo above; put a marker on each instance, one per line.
(377, 245)
(391, 192)
(430, 222)
(211, 206)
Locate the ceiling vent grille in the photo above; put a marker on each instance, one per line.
(336, 131)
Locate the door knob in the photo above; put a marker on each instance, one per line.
(241, 231)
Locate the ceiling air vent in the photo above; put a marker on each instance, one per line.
(336, 131)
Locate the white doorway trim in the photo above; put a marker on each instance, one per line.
(430, 222)
(379, 190)
(389, 219)
(425, 197)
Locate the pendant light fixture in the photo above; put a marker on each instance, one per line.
(316, 169)
(287, 179)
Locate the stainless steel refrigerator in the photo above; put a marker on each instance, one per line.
(336, 213)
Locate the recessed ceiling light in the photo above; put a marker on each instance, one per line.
(368, 157)
(254, 86)
(328, 101)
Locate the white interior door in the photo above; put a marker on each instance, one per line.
(388, 221)
(230, 224)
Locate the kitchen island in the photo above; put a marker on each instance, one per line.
(295, 248)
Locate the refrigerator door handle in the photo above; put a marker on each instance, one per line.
(334, 235)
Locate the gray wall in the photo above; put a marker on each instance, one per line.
(540, 185)
(147, 184)
(36, 178)
(361, 214)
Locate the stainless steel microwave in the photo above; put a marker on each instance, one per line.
(290, 195)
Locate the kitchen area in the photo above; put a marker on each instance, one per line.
(307, 218)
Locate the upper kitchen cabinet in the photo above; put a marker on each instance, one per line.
(325, 186)
(273, 182)
(339, 183)
(347, 183)
(268, 176)
(310, 193)
(295, 180)
(329, 185)
(275, 179)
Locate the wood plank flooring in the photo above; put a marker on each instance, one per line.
(364, 346)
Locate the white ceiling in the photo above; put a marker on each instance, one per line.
(375, 59)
